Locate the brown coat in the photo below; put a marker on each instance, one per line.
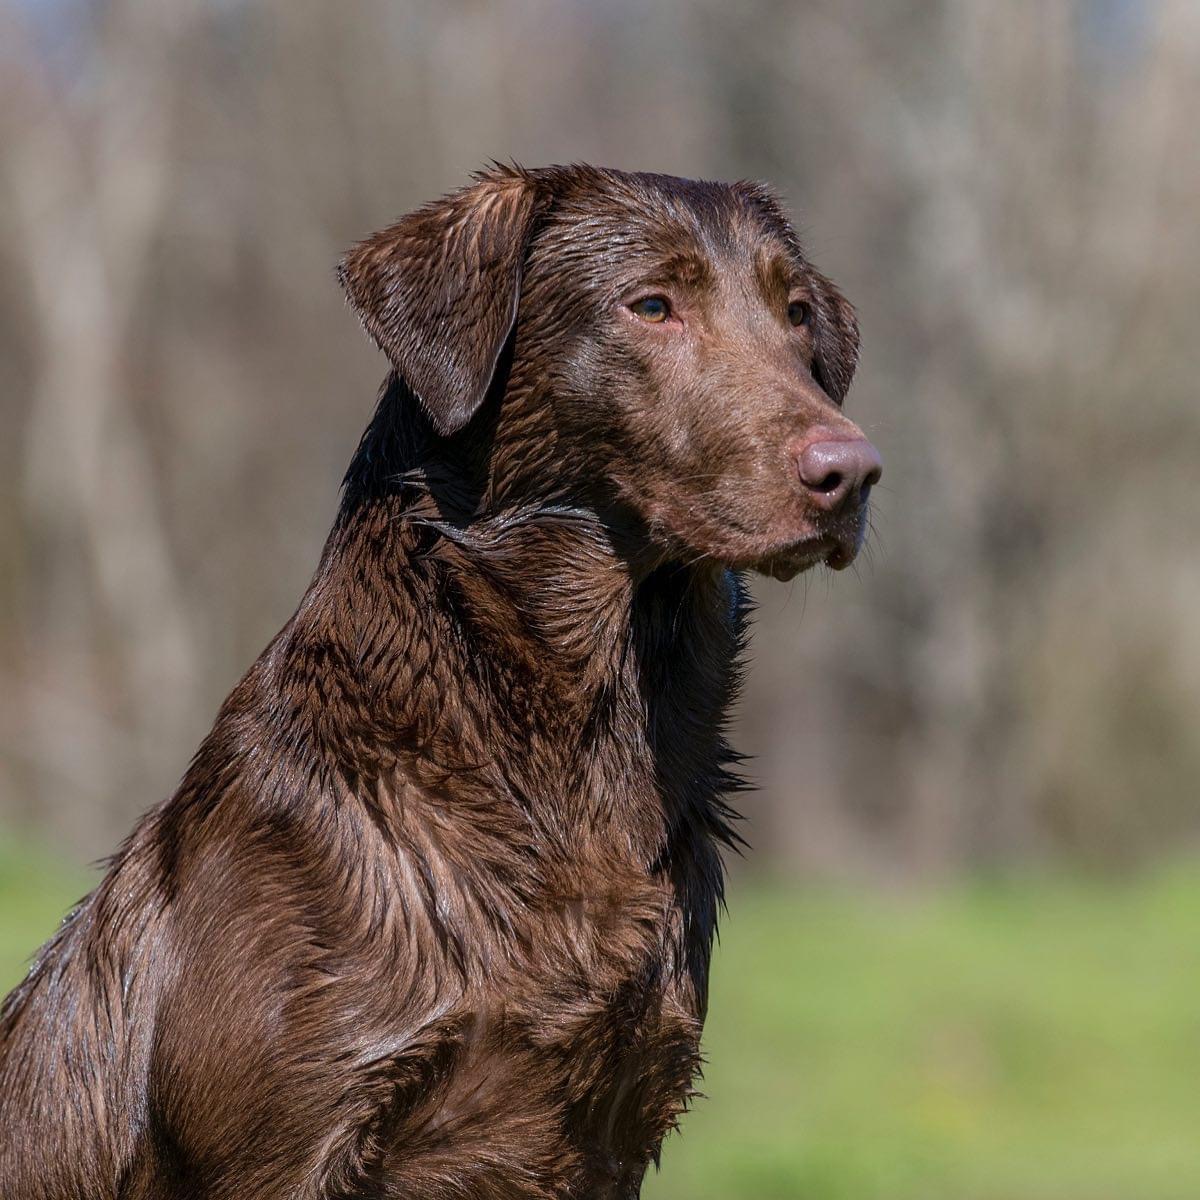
(430, 914)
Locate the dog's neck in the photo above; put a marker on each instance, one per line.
(595, 681)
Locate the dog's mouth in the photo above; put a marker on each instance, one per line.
(787, 564)
(781, 547)
(834, 551)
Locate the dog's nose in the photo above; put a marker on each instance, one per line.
(840, 471)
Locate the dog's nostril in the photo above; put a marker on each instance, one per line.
(868, 483)
(830, 483)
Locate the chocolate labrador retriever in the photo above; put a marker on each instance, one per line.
(431, 912)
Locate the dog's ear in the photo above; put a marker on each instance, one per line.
(439, 290)
(837, 339)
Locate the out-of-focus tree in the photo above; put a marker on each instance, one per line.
(88, 184)
(1009, 192)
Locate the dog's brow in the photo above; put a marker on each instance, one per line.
(686, 269)
(689, 269)
(776, 272)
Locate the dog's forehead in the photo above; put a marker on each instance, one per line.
(667, 216)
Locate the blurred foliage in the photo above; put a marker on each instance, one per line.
(1008, 192)
(1028, 1038)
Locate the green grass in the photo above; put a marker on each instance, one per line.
(1037, 1040)
(36, 892)
(1033, 1040)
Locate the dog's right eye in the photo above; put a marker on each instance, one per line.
(651, 308)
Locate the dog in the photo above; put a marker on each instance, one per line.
(430, 915)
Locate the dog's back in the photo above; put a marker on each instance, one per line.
(431, 912)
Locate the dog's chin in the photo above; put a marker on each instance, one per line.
(787, 563)
(783, 554)
(794, 560)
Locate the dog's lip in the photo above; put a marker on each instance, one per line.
(842, 555)
(788, 562)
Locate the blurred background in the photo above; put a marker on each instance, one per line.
(963, 960)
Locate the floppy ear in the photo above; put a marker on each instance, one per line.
(439, 290)
(837, 339)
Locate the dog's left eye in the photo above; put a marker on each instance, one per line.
(652, 308)
(799, 313)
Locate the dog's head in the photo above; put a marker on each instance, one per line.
(673, 354)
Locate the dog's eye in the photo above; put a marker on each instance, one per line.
(799, 313)
(652, 308)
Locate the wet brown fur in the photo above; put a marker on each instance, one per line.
(430, 914)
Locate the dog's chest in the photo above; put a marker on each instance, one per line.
(583, 952)
(603, 1024)
(562, 1064)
